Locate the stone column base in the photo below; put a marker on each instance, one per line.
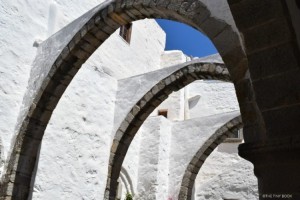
(276, 166)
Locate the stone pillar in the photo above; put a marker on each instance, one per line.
(270, 40)
(276, 166)
(154, 159)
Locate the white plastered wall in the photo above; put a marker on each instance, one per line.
(79, 131)
(216, 99)
(24, 24)
(75, 149)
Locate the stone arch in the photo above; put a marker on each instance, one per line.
(61, 56)
(205, 150)
(124, 175)
(145, 106)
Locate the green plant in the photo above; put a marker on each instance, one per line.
(128, 196)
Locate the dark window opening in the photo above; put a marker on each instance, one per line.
(236, 134)
(125, 32)
(163, 112)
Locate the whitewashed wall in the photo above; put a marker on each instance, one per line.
(210, 98)
(187, 137)
(226, 176)
(153, 163)
(132, 159)
(175, 104)
(200, 98)
(75, 149)
(205, 103)
(22, 23)
(87, 176)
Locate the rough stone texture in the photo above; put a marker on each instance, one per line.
(131, 90)
(193, 137)
(169, 58)
(219, 136)
(263, 32)
(154, 159)
(55, 78)
(74, 154)
(1, 156)
(226, 176)
(217, 164)
(40, 21)
(205, 98)
(16, 64)
(132, 159)
(60, 57)
(271, 31)
(173, 79)
(174, 104)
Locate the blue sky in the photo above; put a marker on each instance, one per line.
(185, 38)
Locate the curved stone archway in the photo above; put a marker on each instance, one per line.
(205, 150)
(147, 104)
(127, 181)
(61, 56)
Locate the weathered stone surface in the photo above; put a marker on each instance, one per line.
(79, 54)
(278, 91)
(267, 36)
(200, 157)
(277, 123)
(260, 12)
(270, 61)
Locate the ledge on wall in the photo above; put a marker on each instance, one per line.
(233, 140)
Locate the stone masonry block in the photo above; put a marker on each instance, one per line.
(132, 130)
(260, 12)
(273, 61)
(26, 165)
(227, 40)
(267, 36)
(278, 91)
(284, 120)
(135, 110)
(81, 54)
(92, 40)
(114, 146)
(119, 134)
(212, 27)
(129, 117)
(88, 47)
(124, 126)
(148, 96)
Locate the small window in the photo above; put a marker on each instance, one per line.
(163, 112)
(237, 137)
(236, 134)
(125, 32)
